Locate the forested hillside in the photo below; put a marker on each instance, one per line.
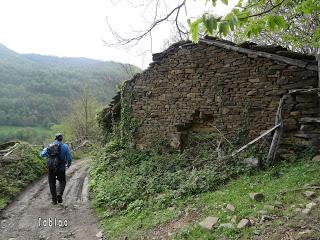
(35, 89)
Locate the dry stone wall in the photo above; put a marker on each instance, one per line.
(208, 88)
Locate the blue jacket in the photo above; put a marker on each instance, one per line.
(64, 154)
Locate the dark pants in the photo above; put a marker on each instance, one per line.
(61, 177)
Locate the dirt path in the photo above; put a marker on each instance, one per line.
(73, 219)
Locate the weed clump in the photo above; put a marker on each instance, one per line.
(125, 179)
(17, 170)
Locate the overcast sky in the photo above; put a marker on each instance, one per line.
(77, 28)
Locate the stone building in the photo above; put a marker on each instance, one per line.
(216, 85)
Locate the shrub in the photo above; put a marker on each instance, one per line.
(124, 179)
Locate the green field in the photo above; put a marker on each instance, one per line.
(29, 134)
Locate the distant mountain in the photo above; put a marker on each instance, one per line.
(35, 89)
(9, 57)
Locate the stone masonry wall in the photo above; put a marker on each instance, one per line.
(205, 88)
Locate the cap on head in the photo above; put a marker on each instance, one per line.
(58, 137)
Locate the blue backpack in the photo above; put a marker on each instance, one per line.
(54, 160)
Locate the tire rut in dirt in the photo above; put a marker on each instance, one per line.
(75, 185)
(20, 220)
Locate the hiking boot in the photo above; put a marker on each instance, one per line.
(59, 198)
(54, 201)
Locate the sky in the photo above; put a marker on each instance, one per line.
(78, 28)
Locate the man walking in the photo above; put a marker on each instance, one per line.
(59, 158)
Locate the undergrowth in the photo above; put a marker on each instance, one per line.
(19, 169)
(126, 179)
(134, 191)
(127, 183)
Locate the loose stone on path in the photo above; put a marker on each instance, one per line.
(309, 194)
(243, 223)
(230, 207)
(309, 207)
(316, 158)
(209, 222)
(99, 234)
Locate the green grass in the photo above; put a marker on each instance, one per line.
(133, 224)
(3, 202)
(271, 183)
(144, 214)
(29, 134)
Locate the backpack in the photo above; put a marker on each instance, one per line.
(54, 160)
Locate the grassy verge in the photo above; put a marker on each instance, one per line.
(135, 192)
(276, 184)
(17, 170)
(127, 183)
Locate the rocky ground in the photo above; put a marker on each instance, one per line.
(32, 216)
(272, 223)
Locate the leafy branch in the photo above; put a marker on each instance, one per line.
(256, 16)
(236, 18)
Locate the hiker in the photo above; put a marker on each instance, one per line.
(59, 158)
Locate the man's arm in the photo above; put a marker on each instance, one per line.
(44, 153)
(68, 156)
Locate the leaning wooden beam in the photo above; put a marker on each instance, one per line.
(277, 134)
(6, 145)
(8, 153)
(255, 140)
(276, 57)
(9, 149)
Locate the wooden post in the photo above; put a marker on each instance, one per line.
(277, 134)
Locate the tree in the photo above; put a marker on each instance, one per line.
(253, 17)
(301, 33)
(80, 122)
(159, 12)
